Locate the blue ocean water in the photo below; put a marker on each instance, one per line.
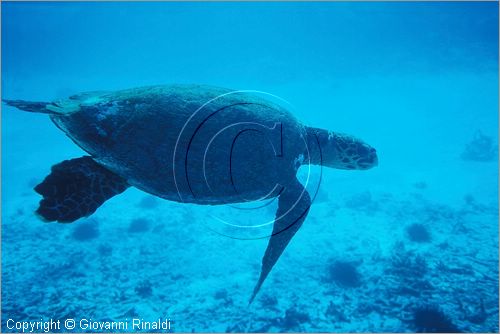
(411, 245)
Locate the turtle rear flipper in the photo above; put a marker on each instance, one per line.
(76, 188)
(293, 206)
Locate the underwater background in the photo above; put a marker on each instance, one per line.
(411, 245)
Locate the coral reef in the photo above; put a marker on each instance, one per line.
(407, 273)
(139, 225)
(105, 250)
(373, 283)
(269, 301)
(407, 263)
(475, 314)
(293, 319)
(480, 148)
(344, 274)
(418, 233)
(335, 313)
(431, 319)
(221, 294)
(86, 230)
(364, 202)
(144, 289)
(420, 185)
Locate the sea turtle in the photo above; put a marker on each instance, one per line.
(189, 143)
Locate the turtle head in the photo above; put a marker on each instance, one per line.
(337, 150)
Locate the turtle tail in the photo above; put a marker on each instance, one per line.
(40, 107)
(62, 107)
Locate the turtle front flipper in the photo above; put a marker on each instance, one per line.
(293, 205)
(76, 188)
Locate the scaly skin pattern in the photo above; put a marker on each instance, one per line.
(189, 143)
